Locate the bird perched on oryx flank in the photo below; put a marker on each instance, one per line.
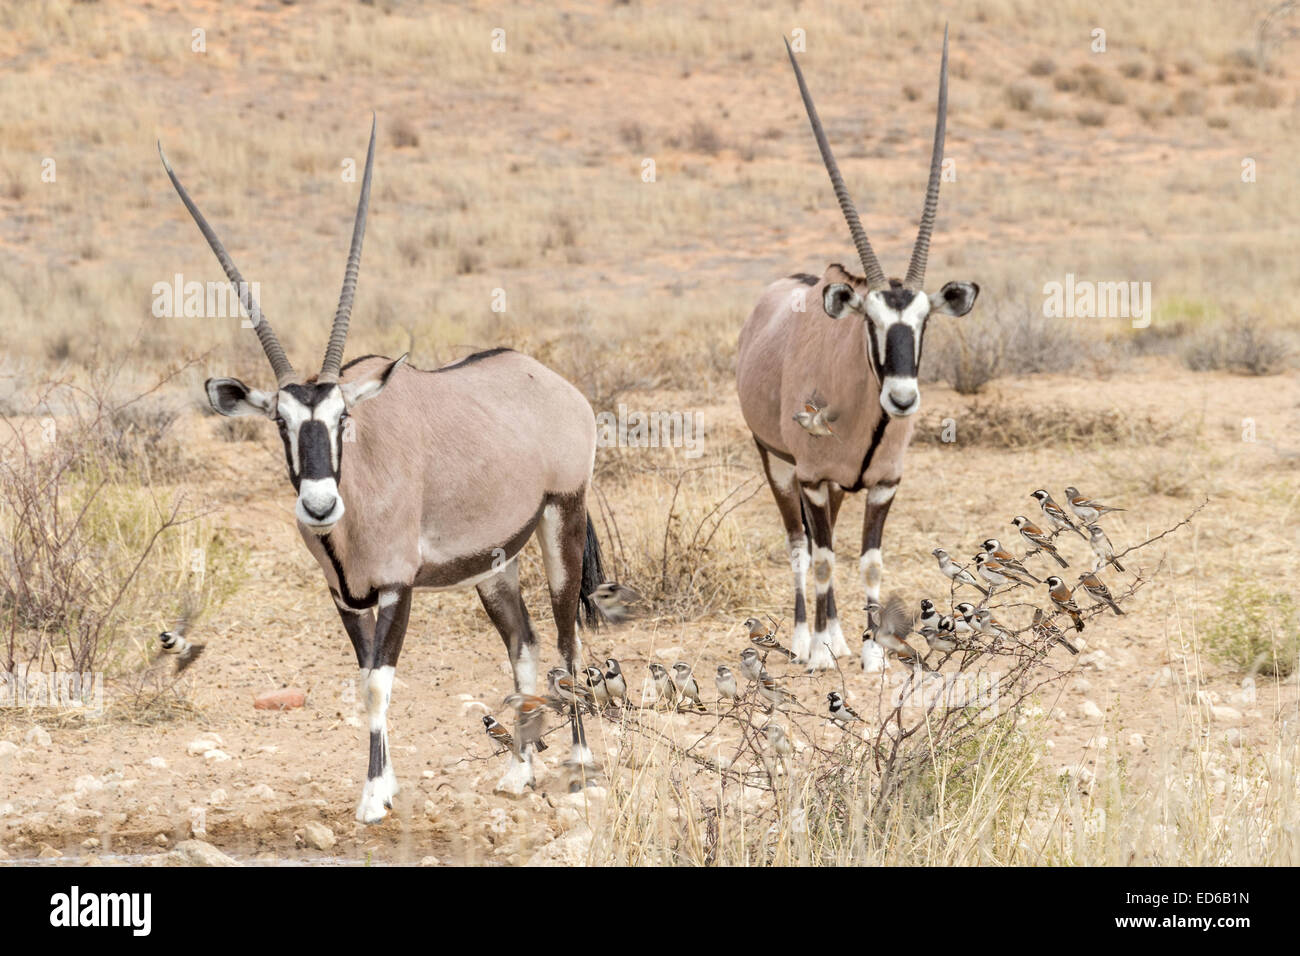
(815, 418)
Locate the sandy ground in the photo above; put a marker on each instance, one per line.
(126, 787)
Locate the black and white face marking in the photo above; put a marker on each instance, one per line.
(312, 419)
(895, 330)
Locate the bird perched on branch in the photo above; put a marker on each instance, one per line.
(958, 574)
(772, 692)
(993, 548)
(750, 665)
(687, 686)
(1063, 598)
(764, 638)
(840, 710)
(1046, 631)
(615, 683)
(596, 684)
(1101, 547)
(665, 689)
(1095, 587)
(1038, 538)
(563, 686)
(1088, 509)
(726, 682)
(1054, 513)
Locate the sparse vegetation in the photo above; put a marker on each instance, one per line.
(1243, 346)
(1257, 628)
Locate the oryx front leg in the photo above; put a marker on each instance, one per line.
(871, 564)
(377, 688)
(819, 511)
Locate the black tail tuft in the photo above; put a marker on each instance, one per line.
(593, 574)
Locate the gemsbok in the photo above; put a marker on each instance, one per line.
(409, 479)
(855, 342)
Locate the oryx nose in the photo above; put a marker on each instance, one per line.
(903, 401)
(319, 515)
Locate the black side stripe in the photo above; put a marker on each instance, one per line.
(371, 598)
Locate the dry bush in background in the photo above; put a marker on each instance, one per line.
(1257, 629)
(1243, 346)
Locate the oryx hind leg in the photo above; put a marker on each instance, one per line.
(785, 489)
(504, 603)
(562, 534)
(378, 642)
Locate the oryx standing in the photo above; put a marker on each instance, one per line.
(857, 343)
(445, 475)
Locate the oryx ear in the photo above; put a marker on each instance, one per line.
(371, 384)
(839, 299)
(231, 397)
(955, 298)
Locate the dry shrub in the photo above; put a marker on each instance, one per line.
(1133, 70)
(1189, 102)
(1013, 337)
(703, 137)
(632, 135)
(1042, 66)
(1244, 346)
(243, 428)
(1022, 97)
(1100, 85)
(1091, 117)
(1255, 629)
(403, 133)
(1000, 423)
(1066, 82)
(1259, 96)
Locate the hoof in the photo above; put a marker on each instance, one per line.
(873, 657)
(819, 656)
(839, 647)
(801, 642)
(375, 801)
(518, 778)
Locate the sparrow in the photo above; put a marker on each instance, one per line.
(815, 418)
(1063, 598)
(615, 683)
(1054, 513)
(892, 624)
(762, 638)
(665, 689)
(994, 547)
(562, 686)
(1098, 590)
(839, 708)
(596, 684)
(502, 737)
(750, 665)
(1038, 538)
(941, 638)
(964, 619)
(726, 682)
(1045, 630)
(614, 601)
(174, 642)
(995, 572)
(530, 709)
(929, 616)
(772, 692)
(778, 741)
(1088, 509)
(687, 687)
(1101, 548)
(958, 574)
(988, 625)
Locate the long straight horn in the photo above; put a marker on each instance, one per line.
(875, 275)
(921, 251)
(329, 370)
(266, 335)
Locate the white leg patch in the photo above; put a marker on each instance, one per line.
(548, 537)
(582, 757)
(526, 669)
(518, 776)
(782, 472)
(378, 685)
(871, 566)
(839, 647)
(801, 641)
(880, 494)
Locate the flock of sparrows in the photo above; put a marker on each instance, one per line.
(888, 626)
(885, 637)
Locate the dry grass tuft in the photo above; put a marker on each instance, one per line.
(1000, 423)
